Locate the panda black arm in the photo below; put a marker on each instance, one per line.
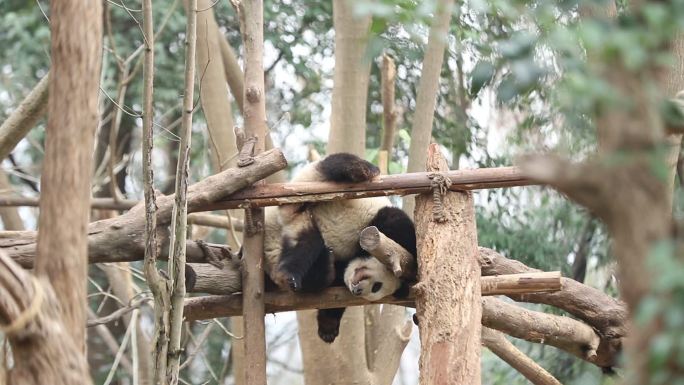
(301, 254)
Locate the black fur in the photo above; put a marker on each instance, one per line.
(347, 168)
(396, 225)
(308, 263)
(403, 290)
(329, 323)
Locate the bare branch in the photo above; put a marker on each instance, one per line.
(497, 343)
(24, 117)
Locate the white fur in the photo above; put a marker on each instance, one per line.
(374, 272)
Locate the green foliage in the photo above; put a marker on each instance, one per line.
(663, 310)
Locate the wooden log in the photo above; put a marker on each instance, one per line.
(276, 194)
(522, 283)
(199, 308)
(497, 343)
(448, 292)
(562, 332)
(254, 104)
(604, 313)
(95, 203)
(395, 257)
(218, 221)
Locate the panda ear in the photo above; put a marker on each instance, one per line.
(402, 291)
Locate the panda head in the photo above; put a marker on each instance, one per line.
(369, 278)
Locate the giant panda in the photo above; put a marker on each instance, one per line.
(311, 246)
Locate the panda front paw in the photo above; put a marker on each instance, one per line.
(294, 283)
(328, 334)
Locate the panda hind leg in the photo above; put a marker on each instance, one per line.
(329, 323)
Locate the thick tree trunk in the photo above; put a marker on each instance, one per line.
(448, 291)
(55, 337)
(629, 196)
(62, 250)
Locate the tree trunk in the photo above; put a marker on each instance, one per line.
(350, 87)
(632, 199)
(370, 343)
(62, 250)
(448, 292)
(62, 258)
(252, 27)
(428, 88)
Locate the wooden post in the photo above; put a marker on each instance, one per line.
(448, 293)
(251, 14)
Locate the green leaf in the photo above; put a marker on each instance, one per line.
(404, 136)
(481, 75)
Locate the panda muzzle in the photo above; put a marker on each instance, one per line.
(356, 289)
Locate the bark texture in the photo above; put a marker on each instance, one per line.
(42, 347)
(252, 27)
(47, 315)
(179, 221)
(448, 291)
(62, 254)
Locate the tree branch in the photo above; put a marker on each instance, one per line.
(24, 117)
(122, 238)
(497, 343)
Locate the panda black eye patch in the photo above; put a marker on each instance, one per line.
(376, 287)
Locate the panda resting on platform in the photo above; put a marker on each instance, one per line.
(311, 246)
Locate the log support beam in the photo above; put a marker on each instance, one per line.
(215, 281)
(448, 291)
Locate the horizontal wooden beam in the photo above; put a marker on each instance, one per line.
(214, 306)
(95, 203)
(276, 194)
